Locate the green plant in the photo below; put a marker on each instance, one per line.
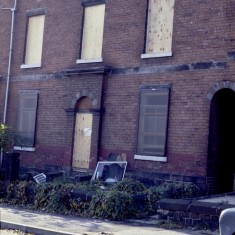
(16, 192)
(21, 192)
(10, 191)
(113, 205)
(130, 186)
(53, 197)
(88, 186)
(79, 207)
(2, 188)
(177, 190)
(126, 199)
(174, 190)
(154, 194)
(7, 137)
(59, 198)
(41, 198)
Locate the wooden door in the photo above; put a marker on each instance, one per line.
(82, 140)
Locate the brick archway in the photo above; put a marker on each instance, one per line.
(220, 160)
(84, 93)
(218, 86)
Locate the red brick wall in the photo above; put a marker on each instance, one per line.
(203, 32)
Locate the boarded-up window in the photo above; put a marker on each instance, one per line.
(27, 119)
(93, 32)
(160, 26)
(153, 122)
(33, 51)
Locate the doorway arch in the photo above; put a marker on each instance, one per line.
(83, 104)
(221, 141)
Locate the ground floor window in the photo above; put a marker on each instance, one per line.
(26, 118)
(153, 118)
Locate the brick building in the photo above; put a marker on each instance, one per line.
(149, 78)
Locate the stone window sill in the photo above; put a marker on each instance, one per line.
(29, 66)
(156, 55)
(150, 158)
(26, 149)
(84, 61)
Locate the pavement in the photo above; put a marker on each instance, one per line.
(228, 199)
(49, 224)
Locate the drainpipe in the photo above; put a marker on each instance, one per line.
(13, 10)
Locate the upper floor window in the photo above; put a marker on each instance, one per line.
(92, 35)
(159, 28)
(34, 41)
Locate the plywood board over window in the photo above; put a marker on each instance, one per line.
(93, 32)
(33, 51)
(160, 27)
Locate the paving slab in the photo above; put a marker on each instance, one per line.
(50, 224)
(226, 199)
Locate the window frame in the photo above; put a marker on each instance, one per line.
(146, 55)
(24, 94)
(139, 154)
(29, 14)
(85, 4)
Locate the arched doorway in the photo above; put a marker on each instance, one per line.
(82, 133)
(221, 142)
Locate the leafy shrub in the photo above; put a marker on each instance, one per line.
(17, 192)
(2, 189)
(79, 207)
(88, 186)
(41, 199)
(20, 193)
(112, 205)
(54, 197)
(174, 190)
(130, 186)
(181, 190)
(7, 137)
(126, 199)
(154, 194)
(10, 191)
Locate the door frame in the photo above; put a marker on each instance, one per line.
(80, 137)
(218, 156)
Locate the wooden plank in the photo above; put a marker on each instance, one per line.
(160, 26)
(82, 140)
(34, 39)
(93, 32)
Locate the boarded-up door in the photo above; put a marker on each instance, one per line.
(82, 140)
